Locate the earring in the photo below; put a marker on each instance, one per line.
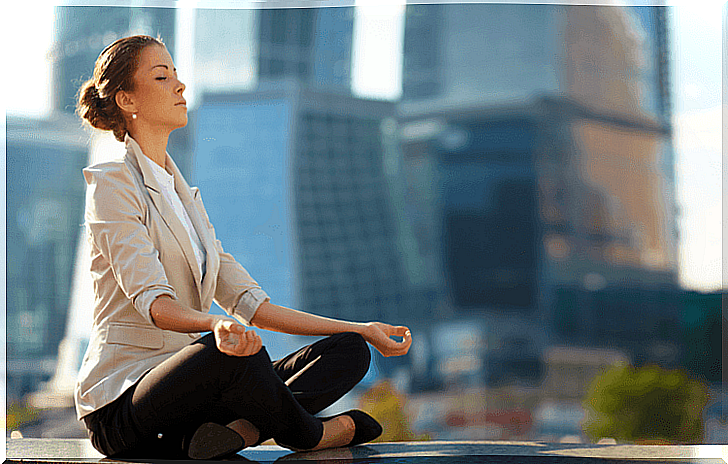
(133, 115)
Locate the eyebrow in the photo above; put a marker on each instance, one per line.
(164, 66)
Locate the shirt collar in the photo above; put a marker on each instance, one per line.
(163, 177)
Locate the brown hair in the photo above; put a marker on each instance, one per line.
(114, 71)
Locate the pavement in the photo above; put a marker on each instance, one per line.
(45, 450)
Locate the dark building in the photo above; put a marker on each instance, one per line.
(703, 323)
(540, 189)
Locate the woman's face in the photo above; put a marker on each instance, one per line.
(157, 92)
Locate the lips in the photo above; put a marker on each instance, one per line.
(184, 103)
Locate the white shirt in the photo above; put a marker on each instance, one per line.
(166, 180)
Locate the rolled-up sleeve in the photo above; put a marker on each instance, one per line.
(249, 303)
(237, 293)
(115, 223)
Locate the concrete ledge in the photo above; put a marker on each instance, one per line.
(39, 450)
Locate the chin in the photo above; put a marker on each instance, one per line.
(181, 123)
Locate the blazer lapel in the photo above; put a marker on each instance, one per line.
(166, 211)
(212, 263)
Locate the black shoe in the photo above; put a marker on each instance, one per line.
(214, 441)
(367, 428)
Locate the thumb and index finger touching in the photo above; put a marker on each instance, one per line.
(392, 347)
(398, 331)
(232, 326)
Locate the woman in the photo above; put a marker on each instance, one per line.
(149, 385)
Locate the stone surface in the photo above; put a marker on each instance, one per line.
(31, 450)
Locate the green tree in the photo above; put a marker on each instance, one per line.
(647, 404)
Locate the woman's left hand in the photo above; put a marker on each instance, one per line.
(378, 333)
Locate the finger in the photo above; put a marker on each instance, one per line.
(226, 348)
(401, 348)
(407, 342)
(250, 341)
(400, 331)
(230, 342)
(242, 346)
(400, 337)
(238, 328)
(257, 345)
(227, 325)
(234, 327)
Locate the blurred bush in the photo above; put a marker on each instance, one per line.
(19, 414)
(384, 403)
(645, 405)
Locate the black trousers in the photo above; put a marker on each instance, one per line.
(200, 384)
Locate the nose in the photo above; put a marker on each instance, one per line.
(180, 86)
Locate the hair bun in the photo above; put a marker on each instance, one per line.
(94, 95)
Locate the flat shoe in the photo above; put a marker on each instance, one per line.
(367, 428)
(214, 441)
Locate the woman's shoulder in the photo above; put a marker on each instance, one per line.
(116, 171)
(113, 183)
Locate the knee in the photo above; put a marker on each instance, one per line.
(358, 350)
(259, 363)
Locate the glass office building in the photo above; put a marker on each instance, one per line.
(536, 154)
(311, 45)
(293, 181)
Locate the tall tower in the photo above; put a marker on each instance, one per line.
(537, 151)
(313, 218)
(311, 45)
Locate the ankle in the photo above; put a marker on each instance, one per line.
(338, 432)
(245, 429)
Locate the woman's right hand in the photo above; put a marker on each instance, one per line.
(232, 339)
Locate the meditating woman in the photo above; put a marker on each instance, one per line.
(150, 385)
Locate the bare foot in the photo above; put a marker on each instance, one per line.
(245, 429)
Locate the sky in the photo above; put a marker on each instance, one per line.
(696, 69)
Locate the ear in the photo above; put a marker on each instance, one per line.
(125, 101)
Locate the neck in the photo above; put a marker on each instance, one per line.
(152, 143)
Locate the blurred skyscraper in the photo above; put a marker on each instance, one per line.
(235, 49)
(292, 178)
(312, 45)
(537, 156)
(290, 164)
(336, 246)
(44, 216)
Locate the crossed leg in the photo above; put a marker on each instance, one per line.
(199, 384)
